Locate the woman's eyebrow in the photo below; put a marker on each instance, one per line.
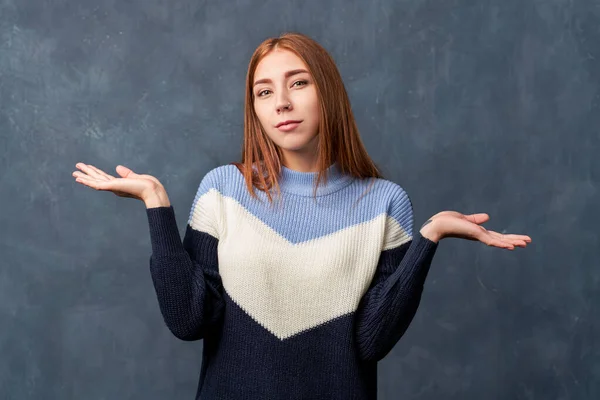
(287, 75)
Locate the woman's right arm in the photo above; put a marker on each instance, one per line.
(185, 275)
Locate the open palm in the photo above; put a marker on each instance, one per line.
(129, 185)
(455, 224)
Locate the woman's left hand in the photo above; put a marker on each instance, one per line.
(454, 224)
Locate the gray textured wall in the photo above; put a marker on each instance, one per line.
(478, 106)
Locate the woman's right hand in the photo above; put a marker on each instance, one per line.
(142, 187)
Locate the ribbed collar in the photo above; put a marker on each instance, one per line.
(302, 183)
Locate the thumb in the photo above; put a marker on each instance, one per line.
(124, 171)
(478, 218)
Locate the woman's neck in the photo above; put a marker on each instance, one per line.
(302, 183)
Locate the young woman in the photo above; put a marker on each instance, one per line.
(300, 267)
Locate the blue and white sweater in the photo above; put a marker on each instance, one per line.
(297, 300)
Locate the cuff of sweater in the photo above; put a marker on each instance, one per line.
(164, 234)
(420, 255)
(425, 243)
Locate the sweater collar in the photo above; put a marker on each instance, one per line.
(302, 183)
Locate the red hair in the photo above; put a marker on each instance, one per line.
(339, 140)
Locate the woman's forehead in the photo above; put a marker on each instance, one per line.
(278, 62)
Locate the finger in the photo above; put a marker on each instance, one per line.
(128, 173)
(495, 239)
(125, 172)
(525, 238)
(520, 240)
(512, 236)
(517, 243)
(515, 240)
(490, 240)
(102, 173)
(501, 244)
(79, 174)
(89, 170)
(93, 183)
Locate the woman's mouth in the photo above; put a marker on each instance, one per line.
(288, 126)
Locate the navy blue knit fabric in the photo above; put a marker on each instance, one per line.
(296, 300)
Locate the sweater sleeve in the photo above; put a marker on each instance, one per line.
(389, 305)
(185, 275)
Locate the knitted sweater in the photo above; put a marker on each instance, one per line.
(296, 301)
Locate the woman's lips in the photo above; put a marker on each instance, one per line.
(289, 127)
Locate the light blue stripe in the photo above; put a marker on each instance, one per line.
(332, 211)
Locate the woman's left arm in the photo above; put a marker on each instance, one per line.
(388, 307)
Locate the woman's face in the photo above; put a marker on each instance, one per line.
(284, 91)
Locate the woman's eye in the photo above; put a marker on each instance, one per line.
(264, 92)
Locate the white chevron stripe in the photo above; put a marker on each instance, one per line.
(285, 287)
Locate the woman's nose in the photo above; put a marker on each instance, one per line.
(286, 105)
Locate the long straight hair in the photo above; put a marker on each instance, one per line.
(338, 137)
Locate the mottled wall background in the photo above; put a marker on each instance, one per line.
(476, 106)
